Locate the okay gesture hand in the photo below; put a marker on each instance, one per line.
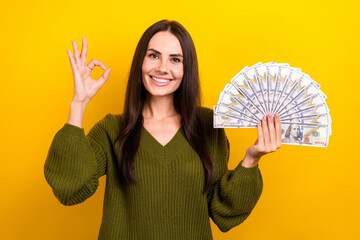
(85, 86)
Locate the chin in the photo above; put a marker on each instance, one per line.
(160, 94)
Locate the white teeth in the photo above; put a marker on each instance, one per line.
(160, 80)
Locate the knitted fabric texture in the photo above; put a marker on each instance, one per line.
(167, 202)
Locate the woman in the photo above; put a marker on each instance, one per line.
(165, 165)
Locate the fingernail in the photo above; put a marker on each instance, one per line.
(277, 116)
(264, 118)
(269, 115)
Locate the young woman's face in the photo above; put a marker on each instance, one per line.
(162, 68)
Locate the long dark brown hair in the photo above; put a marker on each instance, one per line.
(186, 102)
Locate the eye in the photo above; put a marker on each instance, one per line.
(175, 60)
(153, 55)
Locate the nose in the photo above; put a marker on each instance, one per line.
(162, 66)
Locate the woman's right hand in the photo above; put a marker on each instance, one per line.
(85, 86)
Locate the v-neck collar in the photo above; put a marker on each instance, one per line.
(148, 133)
(163, 152)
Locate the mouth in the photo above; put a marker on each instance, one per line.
(160, 81)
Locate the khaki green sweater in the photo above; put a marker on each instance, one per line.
(167, 202)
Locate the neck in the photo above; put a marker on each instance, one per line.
(159, 107)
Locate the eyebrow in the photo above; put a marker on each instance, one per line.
(172, 55)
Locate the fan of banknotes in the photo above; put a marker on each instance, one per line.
(276, 88)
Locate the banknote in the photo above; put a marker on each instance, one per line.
(244, 87)
(225, 111)
(290, 83)
(221, 121)
(276, 88)
(258, 85)
(249, 103)
(300, 134)
(269, 74)
(233, 104)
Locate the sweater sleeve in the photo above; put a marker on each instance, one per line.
(75, 162)
(235, 192)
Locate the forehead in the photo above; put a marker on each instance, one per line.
(166, 43)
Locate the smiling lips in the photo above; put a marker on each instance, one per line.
(160, 81)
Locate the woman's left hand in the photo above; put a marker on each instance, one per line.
(269, 140)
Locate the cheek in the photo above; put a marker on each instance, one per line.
(179, 72)
(145, 67)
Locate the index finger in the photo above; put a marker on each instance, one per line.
(94, 63)
(83, 50)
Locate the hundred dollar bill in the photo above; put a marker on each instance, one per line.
(261, 75)
(282, 76)
(300, 134)
(242, 79)
(322, 119)
(315, 109)
(276, 88)
(288, 87)
(302, 108)
(271, 73)
(243, 86)
(304, 85)
(221, 121)
(225, 111)
(249, 103)
(258, 85)
(310, 106)
(305, 94)
(302, 103)
(230, 102)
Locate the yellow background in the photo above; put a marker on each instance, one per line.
(309, 193)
